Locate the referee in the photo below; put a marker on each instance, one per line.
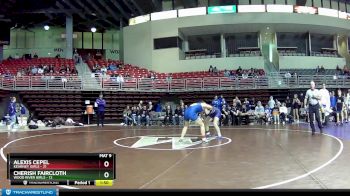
(312, 99)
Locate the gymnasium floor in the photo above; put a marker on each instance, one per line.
(267, 156)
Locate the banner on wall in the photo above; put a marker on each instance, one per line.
(279, 8)
(222, 9)
(328, 12)
(139, 19)
(192, 11)
(344, 15)
(164, 15)
(251, 8)
(305, 10)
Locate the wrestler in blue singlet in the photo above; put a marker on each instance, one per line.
(215, 112)
(191, 113)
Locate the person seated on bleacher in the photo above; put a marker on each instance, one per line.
(168, 118)
(34, 70)
(169, 78)
(234, 112)
(226, 73)
(144, 117)
(127, 116)
(322, 69)
(35, 56)
(120, 78)
(74, 71)
(246, 103)
(178, 116)
(215, 71)
(19, 74)
(259, 113)
(112, 67)
(283, 113)
(134, 115)
(239, 70)
(287, 75)
(104, 69)
(244, 75)
(40, 70)
(210, 69)
(244, 115)
(224, 115)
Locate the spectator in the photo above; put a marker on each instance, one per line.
(134, 115)
(276, 113)
(19, 73)
(295, 107)
(120, 79)
(226, 73)
(283, 113)
(140, 105)
(322, 69)
(16, 56)
(216, 102)
(216, 71)
(12, 112)
(339, 108)
(317, 69)
(287, 75)
(211, 70)
(239, 70)
(168, 115)
(225, 115)
(169, 78)
(178, 116)
(10, 58)
(35, 56)
(144, 116)
(127, 116)
(103, 69)
(40, 70)
(234, 112)
(260, 113)
(58, 56)
(34, 70)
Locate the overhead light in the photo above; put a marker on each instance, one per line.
(93, 29)
(268, 27)
(46, 27)
(93, 13)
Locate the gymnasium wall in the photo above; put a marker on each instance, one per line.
(49, 43)
(138, 39)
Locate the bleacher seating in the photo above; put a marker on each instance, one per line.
(12, 66)
(51, 104)
(137, 72)
(309, 71)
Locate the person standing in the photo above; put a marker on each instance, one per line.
(312, 98)
(325, 104)
(12, 112)
(100, 104)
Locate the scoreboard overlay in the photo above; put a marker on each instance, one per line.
(61, 168)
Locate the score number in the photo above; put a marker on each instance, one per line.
(106, 164)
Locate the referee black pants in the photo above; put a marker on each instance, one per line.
(315, 109)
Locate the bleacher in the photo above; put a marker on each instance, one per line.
(137, 72)
(309, 71)
(51, 104)
(14, 65)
